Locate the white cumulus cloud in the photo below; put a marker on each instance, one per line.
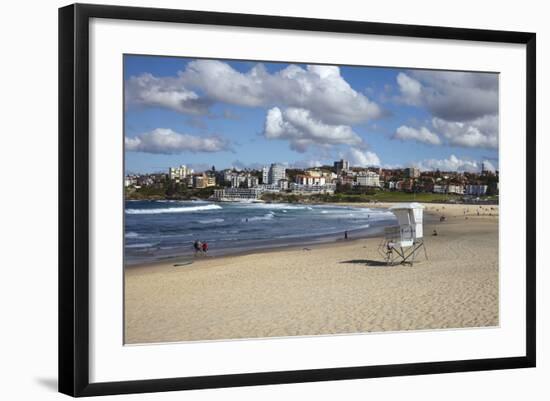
(478, 133)
(421, 135)
(166, 141)
(410, 88)
(464, 105)
(167, 92)
(302, 129)
(320, 89)
(451, 95)
(452, 163)
(359, 158)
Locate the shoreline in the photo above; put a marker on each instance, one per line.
(176, 260)
(299, 243)
(238, 253)
(432, 214)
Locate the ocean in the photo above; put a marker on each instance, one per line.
(163, 229)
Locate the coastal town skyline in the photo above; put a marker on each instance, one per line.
(329, 182)
(247, 114)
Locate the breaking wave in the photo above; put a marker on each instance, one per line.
(267, 216)
(277, 206)
(173, 209)
(211, 221)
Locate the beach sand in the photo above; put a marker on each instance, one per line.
(340, 287)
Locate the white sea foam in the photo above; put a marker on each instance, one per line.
(267, 216)
(340, 215)
(277, 206)
(211, 221)
(131, 234)
(246, 201)
(173, 209)
(147, 245)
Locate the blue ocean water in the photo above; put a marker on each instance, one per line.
(156, 230)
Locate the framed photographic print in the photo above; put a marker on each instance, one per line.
(250, 199)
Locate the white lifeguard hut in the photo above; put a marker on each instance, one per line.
(402, 242)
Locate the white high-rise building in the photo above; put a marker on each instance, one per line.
(277, 172)
(265, 175)
(180, 172)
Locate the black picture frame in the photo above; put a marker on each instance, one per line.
(74, 204)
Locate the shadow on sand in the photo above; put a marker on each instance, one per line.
(367, 262)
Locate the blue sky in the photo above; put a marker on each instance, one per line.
(226, 113)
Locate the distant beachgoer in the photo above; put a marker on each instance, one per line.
(434, 233)
(205, 247)
(345, 235)
(198, 246)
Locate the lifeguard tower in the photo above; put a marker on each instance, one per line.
(402, 242)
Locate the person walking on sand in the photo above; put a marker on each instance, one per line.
(205, 248)
(345, 235)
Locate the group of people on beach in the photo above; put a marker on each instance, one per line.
(201, 248)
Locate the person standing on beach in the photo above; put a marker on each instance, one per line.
(345, 235)
(198, 247)
(205, 248)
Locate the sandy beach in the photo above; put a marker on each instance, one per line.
(339, 287)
